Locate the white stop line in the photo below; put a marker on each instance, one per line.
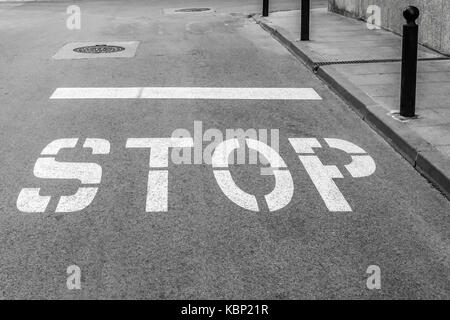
(187, 93)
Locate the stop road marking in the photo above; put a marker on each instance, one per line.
(90, 174)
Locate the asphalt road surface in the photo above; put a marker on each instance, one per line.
(78, 186)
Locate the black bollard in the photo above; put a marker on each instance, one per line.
(409, 63)
(304, 34)
(265, 8)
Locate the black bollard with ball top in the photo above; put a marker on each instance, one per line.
(409, 63)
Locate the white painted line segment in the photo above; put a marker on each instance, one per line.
(187, 93)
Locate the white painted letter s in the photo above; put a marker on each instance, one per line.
(29, 199)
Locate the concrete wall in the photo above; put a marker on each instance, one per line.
(434, 20)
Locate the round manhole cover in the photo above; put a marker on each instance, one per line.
(193, 10)
(99, 48)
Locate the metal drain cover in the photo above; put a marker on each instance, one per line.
(99, 48)
(193, 10)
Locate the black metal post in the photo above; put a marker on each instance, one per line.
(265, 8)
(409, 63)
(306, 6)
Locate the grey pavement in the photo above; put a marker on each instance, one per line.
(204, 246)
(337, 38)
(337, 42)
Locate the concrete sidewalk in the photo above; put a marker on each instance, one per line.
(363, 66)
